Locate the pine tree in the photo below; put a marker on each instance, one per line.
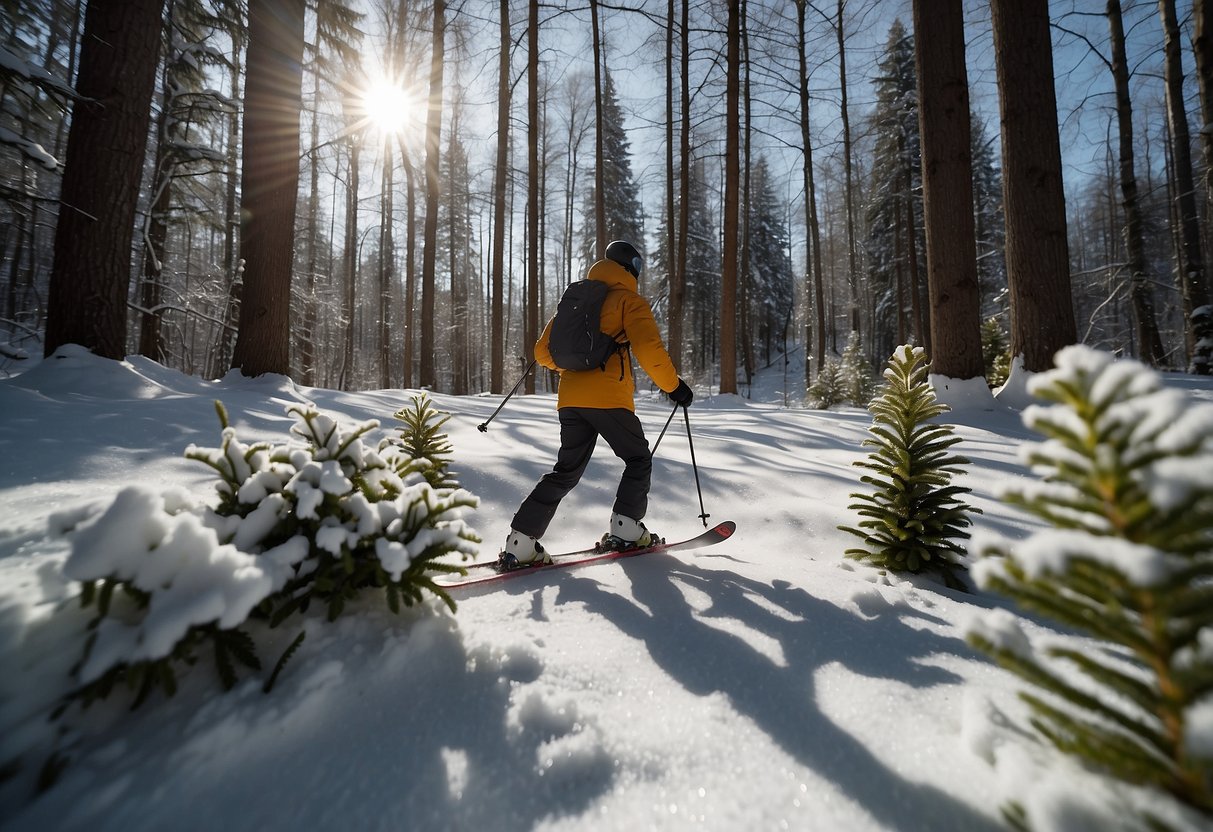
(1129, 562)
(701, 298)
(988, 221)
(895, 238)
(914, 519)
(826, 390)
(772, 296)
(625, 218)
(996, 350)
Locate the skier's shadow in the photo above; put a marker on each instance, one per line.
(781, 699)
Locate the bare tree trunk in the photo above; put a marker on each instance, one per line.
(728, 299)
(813, 287)
(232, 272)
(900, 270)
(101, 179)
(433, 137)
(922, 329)
(1038, 269)
(387, 263)
(531, 329)
(155, 234)
(600, 229)
(273, 97)
(852, 256)
(500, 175)
(1203, 47)
(1192, 271)
(674, 305)
(352, 264)
(1149, 344)
(947, 179)
(745, 287)
(679, 276)
(410, 265)
(307, 357)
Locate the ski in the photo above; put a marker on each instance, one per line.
(487, 571)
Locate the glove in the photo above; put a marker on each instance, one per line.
(682, 394)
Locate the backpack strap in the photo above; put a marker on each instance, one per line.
(622, 348)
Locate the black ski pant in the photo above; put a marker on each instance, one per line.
(580, 428)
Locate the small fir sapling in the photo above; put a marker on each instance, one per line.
(1127, 488)
(827, 389)
(995, 352)
(422, 440)
(913, 519)
(855, 373)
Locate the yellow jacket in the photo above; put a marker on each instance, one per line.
(623, 311)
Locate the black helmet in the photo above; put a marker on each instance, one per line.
(626, 255)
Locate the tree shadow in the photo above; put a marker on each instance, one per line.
(781, 699)
(427, 733)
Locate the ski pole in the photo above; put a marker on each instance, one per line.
(703, 515)
(653, 452)
(483, 427)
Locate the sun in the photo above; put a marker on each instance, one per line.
(388, 106)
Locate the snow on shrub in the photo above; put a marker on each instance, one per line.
(320, 518)
(1127, 470)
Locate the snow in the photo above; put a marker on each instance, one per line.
(764, 683)
(33, 151)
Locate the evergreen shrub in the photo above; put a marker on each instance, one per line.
(318, 519)
(1126, 489)
(913, 520)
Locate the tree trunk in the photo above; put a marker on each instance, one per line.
(530, 332)
(102, 175)
(387, 263)
(1202, 43)
(745, 281)
(307, 357)
(600, 224)
(1191, 267)
(1038, 269)
(919, 310)
(852, 255)
(155, 233)
(273, 98)
(945, 126)
(500, 175)
(674, 305)
(352, 265)
(678, 285)
(728, 294)
(410, 264)
(433, 138)
(1149, 343)
(232, 274)
(813, 287)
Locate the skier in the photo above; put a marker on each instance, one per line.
(600, 402)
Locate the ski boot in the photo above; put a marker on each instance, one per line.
(625, 534)
(520, 551)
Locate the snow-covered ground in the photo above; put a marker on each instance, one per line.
(765, 683)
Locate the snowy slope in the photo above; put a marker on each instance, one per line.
(765, 683)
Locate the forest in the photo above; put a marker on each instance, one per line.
(365, 194)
